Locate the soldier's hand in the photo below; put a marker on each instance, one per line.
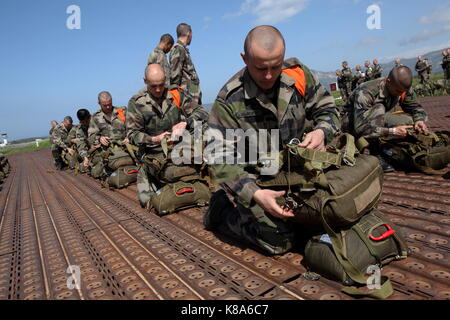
(266, 199)
(314, 140)
(86, 162)
(158, 139)
(402, 131)
(420, 126)
(70, 150)
(74, 141)
(177, 131)
(126, 140)
(105, 141)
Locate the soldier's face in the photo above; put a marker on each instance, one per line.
(156, 87)
(106, 105)
(168, 47)
(264, 66)
(85, 122)
(395, 90)
(68, 125)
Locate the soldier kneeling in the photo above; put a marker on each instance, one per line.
(157, 117)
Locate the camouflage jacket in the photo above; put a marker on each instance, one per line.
(241, 104)
(182, 70)
(369, 74)
(82, 144)
(159, 57)
(146, 118)
(446, 62)
(421, 67)
(112, 127)
(72, 135)
(60, 136)
(358, 78)
(369, 103)
(50, 133)
(377, 71)
(347, 75)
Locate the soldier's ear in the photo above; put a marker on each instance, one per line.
(244, 58)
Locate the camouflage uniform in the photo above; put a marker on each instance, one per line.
(369, 74)
(347, 81)
(241, 104)
(358, 78)
(446, 67)
(341, 85)
(369, 109)
(55, 159)
(60, 142)
(103, 126)
(159, 57)
(72, 159)
(422, 70)
(377, 71)
(182, 71)
(82, 144)
(146, 119)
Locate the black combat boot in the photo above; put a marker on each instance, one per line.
(385, 164)
(218, 204)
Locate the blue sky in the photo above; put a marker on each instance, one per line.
(49, 71)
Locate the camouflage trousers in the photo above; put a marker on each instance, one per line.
(258, 228)
(145, 189)
(347, 89)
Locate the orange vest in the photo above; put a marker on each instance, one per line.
(121, 115)
(176, 97)
(298, 75)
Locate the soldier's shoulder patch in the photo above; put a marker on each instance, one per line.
(232, 85)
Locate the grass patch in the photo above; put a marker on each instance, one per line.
(42, 145)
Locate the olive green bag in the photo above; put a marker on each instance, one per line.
(180, 195)
(427, 153)
(351, 183)
(347, 254)
(122, 177)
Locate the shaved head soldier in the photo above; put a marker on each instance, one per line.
(269, 94)
(358, 78)
(153, 113)
(347, 79)
(158, 55)
(377, 70)
(422, 70)
(182, 70)
(368, 72)
(370, 106)
(107, 124)
(397, 63)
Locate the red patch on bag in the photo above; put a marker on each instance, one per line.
(183, 191)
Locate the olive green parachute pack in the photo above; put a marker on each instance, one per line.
(182, 186)
(338, 190)
(117, 165)
(428, 153)
(342, 183)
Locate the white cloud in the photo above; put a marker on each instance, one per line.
(440, 15)
(424, 35)
(416, 52)
(270, 11)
